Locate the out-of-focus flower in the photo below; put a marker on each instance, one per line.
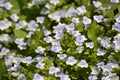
(27, 60)
(90, 45)
(5, 24)
(114, 1)
(7, 5)
(81, 10)
(38, 77)
(40, 20)
(55, 2)
(97, 4)
(14, 17)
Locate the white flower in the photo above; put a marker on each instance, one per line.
(83, 64)
(38, 77)
(40, 50)
(71, 61)
(98, 18)
(48, 39)
(97, 4)
(92, 78)
(5, 38)
(29, 34)
(90, 45)
(47, 32)
(101, 52)
(81, 10)
(7, 5)
(40, 20)
(118, 19)
(20, 25)
(75, 20)
(64, 77)
(61, 56)
(114, 1)
(5, 24)
(56, 48)
(32, 26)
(80, 49)
(40, 65)
(53, 70)
(55, 2)
(21, 76)
(27, 60)
(86, 20)
(14, 17)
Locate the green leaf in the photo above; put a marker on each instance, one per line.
(48, 63)
(16, 7)
(84, 2)
(2, 69)
(20, 33)
(94, 31)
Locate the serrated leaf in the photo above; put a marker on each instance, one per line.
(20, 33)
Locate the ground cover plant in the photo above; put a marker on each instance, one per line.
(59, 39)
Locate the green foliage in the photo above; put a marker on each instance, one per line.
(2, 69)
(20, 33)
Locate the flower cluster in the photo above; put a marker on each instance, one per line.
(59, 39)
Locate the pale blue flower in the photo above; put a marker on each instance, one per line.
(90, 45)
(116, 27)
(105, 42)
(53, 70)
(27, 60)
(61, 56)
(92, 78)
(38, 77)
(101, 52)
(86, 20)
(14, 17)
(97, 4)
(72, 12)
(32, 26)
(20, 25)
(64, 77)
(7, 5)
(5, 24)
(40, 20)
(56, 48)
(29, 34)
(48, 39)
(80, 49)
(98, 18)
(55, 2)
(114, 1)
(83, 64)
(71, 61)
(81, 10)
(40, 50)
(21, 76)
(40, 65)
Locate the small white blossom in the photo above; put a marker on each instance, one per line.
(40, 50)
(97, 4)
(53, 70)
(40, 20)
(14, 17)
(7, 5)
(71, 61)
(83, 64)
(38, 77)
(98, 18)
(114, 1)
